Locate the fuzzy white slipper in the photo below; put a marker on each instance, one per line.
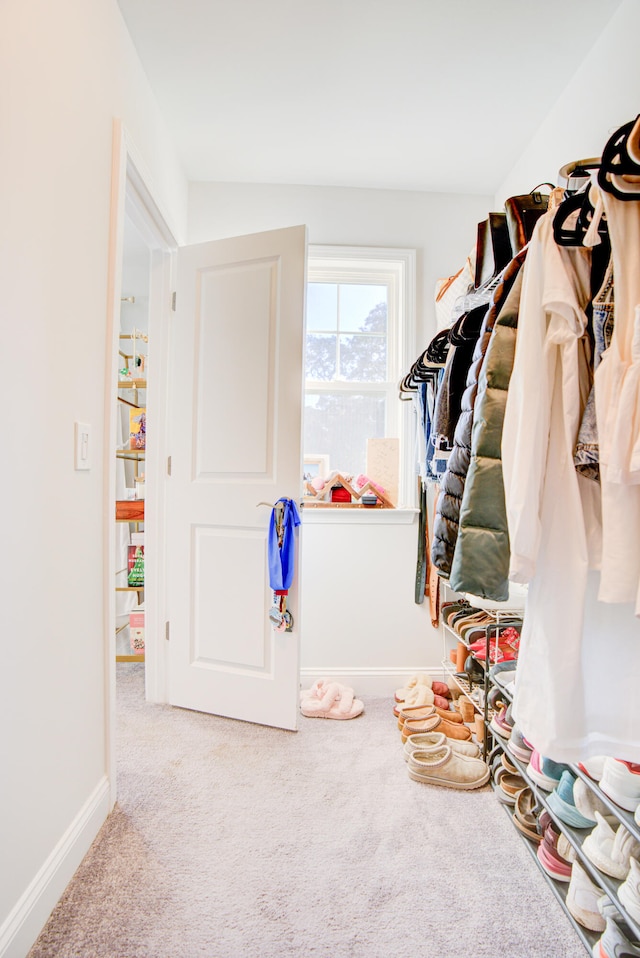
(419, 680)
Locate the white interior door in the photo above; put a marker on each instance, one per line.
(235, 413)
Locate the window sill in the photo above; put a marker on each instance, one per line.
(374, 517)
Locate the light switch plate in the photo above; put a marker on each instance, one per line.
(82, 445)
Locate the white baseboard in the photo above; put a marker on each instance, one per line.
(375, 682)
(27, 919)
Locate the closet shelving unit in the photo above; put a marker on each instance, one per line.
(575, 836)
(130, 511)
(476, 693)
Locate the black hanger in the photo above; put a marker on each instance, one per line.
(619, 172)
(574, 235)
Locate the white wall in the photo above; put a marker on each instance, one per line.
(359, 619)
(66, 69)
(603, 94)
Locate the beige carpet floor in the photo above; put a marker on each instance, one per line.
(231, 840)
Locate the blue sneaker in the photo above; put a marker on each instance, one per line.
(562, 804)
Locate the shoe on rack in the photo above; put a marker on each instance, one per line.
(593, 767)
(425, 741)
(553, 863)
(621, 782)
(512, 784)
(566, 849)
(519, 745)
(443, 766)
(610, 849)
(582, 900)
(544, 771)
(502, 723)
(418, 712)
(629, 891)
(614, 943)
(588, 803)
(562, 803)
(526, 813)
(473, 671)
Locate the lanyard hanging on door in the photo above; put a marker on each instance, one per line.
(281, 549)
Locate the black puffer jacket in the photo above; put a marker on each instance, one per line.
(445, 531)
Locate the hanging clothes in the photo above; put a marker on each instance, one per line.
(617, 392)
(281, 544)
(573, 647)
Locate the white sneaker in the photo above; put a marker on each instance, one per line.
(582, 900)
(629, 891)
(588, 803)
(621, 782)
(610, 850)
(593, 766)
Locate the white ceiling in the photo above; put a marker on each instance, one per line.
(399, 94)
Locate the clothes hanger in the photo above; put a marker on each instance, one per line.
(579, 203)
(619, 172)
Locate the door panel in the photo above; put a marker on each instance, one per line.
(235, 425)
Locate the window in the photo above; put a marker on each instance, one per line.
(359, 339)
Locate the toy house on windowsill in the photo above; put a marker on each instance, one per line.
(339, 493)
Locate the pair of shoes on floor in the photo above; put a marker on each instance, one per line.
(425, 741)
(421, 689)
(330, 700)
(446, 766)
(612, 850)
(414, 713)
(455, 729)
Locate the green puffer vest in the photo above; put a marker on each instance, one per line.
(481, 558)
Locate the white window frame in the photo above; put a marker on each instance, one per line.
(395, 269)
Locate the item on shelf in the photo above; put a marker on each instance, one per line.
(593, 767)
(562, 803)
(462, 654)
(136, 631)
(135, 566)
(467, 710)
(526, 814)
(587, 802)
(614, 942)
(425, 741)
(550, 859)
(445, 767)
(519, 745)
(621, 782)
(479, 728)
(503, 674)
(582, 899)
(137, 428)
(544, 772)
(502, 723)
(473, 670)
(511, 784)
(629, 891)
(610, 849)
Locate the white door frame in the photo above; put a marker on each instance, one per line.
(131, 196)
